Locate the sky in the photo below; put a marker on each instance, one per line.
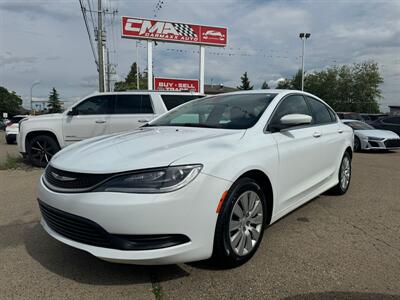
(46, 41)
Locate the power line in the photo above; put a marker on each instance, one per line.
(83, 9)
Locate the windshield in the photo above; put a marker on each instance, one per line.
(240, 111)
(359, 125)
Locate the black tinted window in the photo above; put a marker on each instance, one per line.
(294, 104)
(393, 120)
(172, 101)
(97, 105)
(321, 111)
(133, 104)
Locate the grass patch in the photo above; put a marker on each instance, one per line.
(14, 162)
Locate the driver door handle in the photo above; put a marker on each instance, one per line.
(340, 130)
(317, 134)
(143, 121)
(100, 121)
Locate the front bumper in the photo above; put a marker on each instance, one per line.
(386, 144)
(188, 212)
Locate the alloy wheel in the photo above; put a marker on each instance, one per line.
(245, 223)
(42, 151)
(345, 174)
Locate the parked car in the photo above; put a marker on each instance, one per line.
(390, 123)
(371, 118)
(350, 115)
(367, 137)
(201, 181)
(98, 114)
(12, 128)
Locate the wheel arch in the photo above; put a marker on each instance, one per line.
(265, 184)
(32, 134)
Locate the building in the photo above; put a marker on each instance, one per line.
(394, 110)
(42, 104)
(214, 89)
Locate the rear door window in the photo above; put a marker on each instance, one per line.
(133, 104)
(172, 101)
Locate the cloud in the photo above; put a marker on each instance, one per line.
(11, 60)
(263, 40)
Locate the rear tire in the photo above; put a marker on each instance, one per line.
(40, 149)
(344, 176)
(240, 225)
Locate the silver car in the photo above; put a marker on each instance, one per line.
(367, 137)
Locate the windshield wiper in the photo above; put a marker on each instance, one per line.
(193, 125)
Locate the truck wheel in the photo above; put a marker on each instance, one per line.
(41, 149)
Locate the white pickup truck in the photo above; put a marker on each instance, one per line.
(41, 137)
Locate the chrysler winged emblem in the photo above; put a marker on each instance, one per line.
(62, 178)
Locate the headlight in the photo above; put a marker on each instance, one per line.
(152, 181)
(372, 138)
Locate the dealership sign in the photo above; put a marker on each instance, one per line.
(175, 84)
(173, 32)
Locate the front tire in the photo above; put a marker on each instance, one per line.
(344, 176)
(357, 144)
(240, 224)
(40, 149)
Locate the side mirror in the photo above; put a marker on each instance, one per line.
(72, 112)
(291, 120)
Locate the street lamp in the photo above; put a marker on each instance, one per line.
(303, 36)
(33, 84)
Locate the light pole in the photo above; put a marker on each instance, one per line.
(303, 36)
(33, 84)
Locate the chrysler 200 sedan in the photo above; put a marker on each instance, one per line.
(201, 181)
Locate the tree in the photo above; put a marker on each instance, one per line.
(345, 88)
(130, 82)
(245, 83)
(54, 105)
(10, 102)
(265, 86)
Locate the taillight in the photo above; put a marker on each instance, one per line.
(9, 124)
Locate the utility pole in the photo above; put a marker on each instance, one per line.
(303, 36)
(137, 66)
(108, 72)
(100, 46)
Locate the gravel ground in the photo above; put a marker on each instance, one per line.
(331, 248)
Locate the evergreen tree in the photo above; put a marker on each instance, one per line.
(265, 86)
(130, 82)
(54, 102)
(245, 83)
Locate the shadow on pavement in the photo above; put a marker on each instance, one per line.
(343, 296)
(80, 266)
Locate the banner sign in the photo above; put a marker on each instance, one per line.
(175, 84)
(157, 30)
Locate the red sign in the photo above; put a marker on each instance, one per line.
(173, 32)
(174, 84)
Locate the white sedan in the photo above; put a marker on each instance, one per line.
(367, 137)
(201, 181)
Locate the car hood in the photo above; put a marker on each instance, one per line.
(386, 134)
(147, 147)
(45, 117)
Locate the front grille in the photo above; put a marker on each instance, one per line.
(85, 231)
(392, 143)
(74, 227)
(63, 180)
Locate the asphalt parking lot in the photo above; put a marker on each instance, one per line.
(331, 248)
